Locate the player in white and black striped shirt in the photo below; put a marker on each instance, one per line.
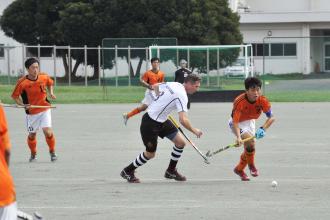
(167, 97)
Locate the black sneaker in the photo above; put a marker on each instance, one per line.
(130, 177)
(33, 158)
(53, 157)
(173, 174)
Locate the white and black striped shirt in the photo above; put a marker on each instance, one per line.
(173, 96)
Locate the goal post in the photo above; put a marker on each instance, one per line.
(211, 61)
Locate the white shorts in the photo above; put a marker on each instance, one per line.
(37, 121)
(148, 97)
(248, 126)
(9, 212)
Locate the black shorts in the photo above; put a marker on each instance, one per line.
(151, 130)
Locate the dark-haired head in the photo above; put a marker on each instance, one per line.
(30, 61)
(252, 82)
(154, 59)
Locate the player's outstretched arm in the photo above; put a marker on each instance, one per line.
(268, 122)
(183, 118)
(237, 134)
(261, 132)
(51, 92)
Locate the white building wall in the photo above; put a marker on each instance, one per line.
(287, 18)
(257, 33)
(320, 5)
(278, 5)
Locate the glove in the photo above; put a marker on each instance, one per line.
(260, 133)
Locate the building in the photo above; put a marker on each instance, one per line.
(294, 34)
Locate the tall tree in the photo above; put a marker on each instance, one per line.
(87, 22)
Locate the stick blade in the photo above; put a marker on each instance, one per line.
(208, 153)
(23, 215)
(37, 215)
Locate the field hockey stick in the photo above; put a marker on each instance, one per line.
(26, 216)
(188, 139)
(22, 106)
(209, 154)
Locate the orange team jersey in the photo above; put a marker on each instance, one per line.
(244, 110)
(153, 78)
(33, 92)
(7, 191)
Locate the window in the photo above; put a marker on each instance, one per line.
(2, 51)
(290, 49)
(44, 52)
(261, 48)
(276, 49)
(258, 49)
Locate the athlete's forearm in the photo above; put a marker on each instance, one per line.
(18, 101)
(51, 89)
(185, 122)
(236, 130)
(145, 84)
(268, 123)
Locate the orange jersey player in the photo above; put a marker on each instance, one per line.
(8, 207)
(32, 90)
(247, 108)
(149, 78)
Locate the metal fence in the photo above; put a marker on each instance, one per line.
(98, 66)
(77, 65)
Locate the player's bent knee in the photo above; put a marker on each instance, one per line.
(48, 132)
(143, 107)
(32, 136)
(180, 144)
(149, 155)
(250, 148)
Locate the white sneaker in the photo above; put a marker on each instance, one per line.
(33, 158)
(125, 117)
(53, 157)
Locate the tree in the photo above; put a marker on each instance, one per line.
(87, 22)
(35, 22)
(209, 22)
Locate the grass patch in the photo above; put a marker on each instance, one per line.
(299, 96)
(295, 76)
(84, 95)
(134, 94)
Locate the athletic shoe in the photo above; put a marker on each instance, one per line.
(33, 158)
(130, 177)
(242, 175)
(173, 174)
(125, 117)
(253, 170)
(53, 157)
